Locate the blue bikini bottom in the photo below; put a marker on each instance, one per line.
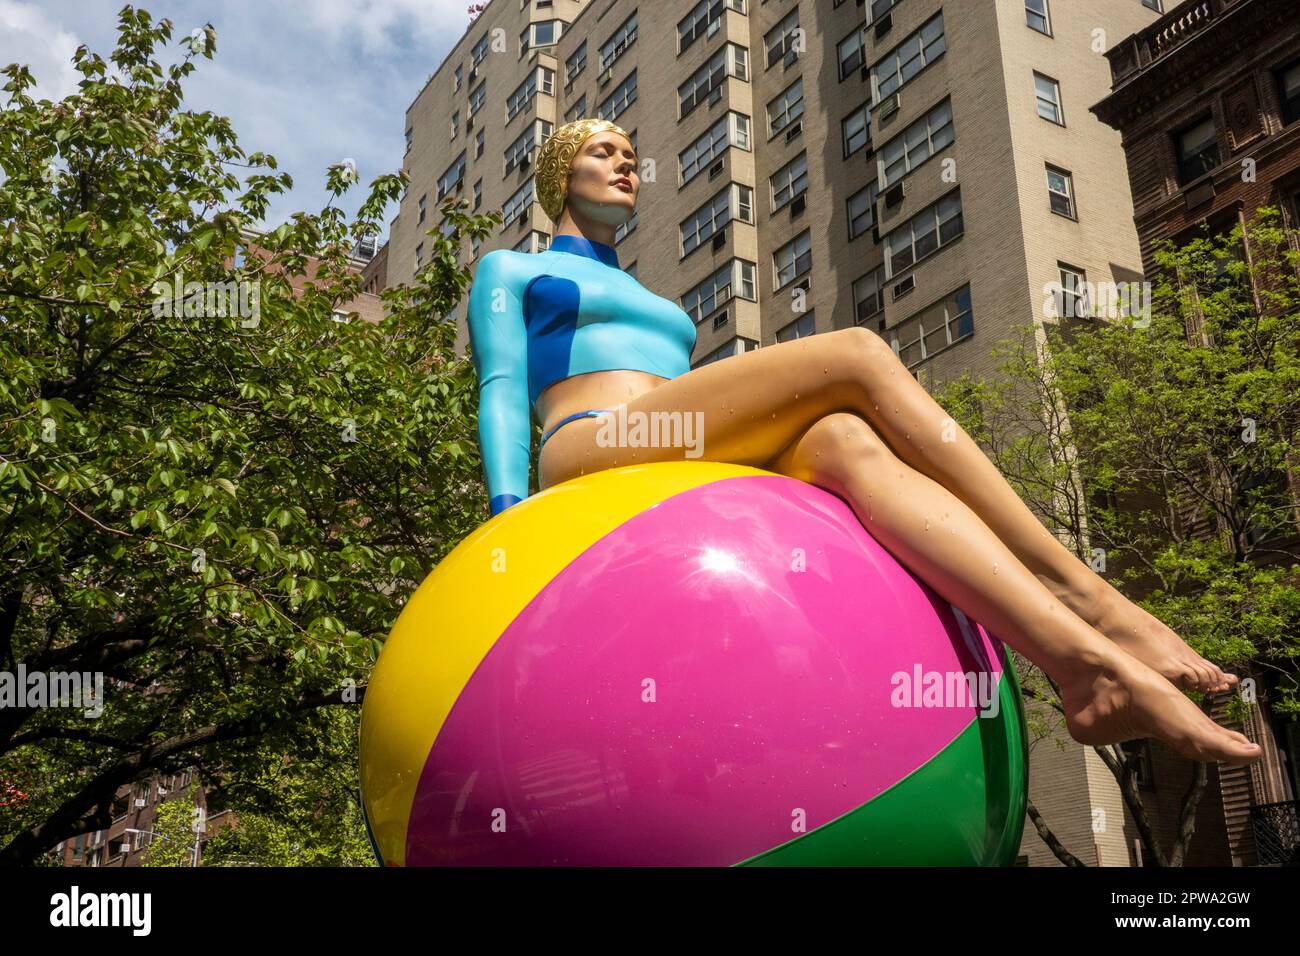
(590, 413)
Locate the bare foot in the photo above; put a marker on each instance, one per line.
(1151, 641)
(1123, 699)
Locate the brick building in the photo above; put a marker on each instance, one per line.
(1207, 99)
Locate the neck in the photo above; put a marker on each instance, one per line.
(590, 229)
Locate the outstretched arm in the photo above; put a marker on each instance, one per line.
(500, 348)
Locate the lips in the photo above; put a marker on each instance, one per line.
(623, 182)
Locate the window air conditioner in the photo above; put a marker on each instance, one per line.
(715, 169)
(720, 319)
(889, 105)
(797, 205)
(895, 195)
(884, 25)
(719, 240)
(794, 130)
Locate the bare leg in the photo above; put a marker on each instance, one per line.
(923, 435)
(1107, 695)
(754, 406)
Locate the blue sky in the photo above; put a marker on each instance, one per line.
(310, 81)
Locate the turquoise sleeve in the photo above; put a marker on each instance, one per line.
(500, 349)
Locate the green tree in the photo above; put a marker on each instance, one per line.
(221, 509)
(1162, 458)
(297, 802)
(171, 843)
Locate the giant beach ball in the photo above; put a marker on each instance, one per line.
(688, 663)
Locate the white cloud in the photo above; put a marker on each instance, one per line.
(30, 37)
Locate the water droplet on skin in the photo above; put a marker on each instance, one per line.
(927, 524)
(995, 567)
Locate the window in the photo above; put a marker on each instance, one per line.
(618, 44)
(452, 178)
(855, 130)
(424, 202)
(924, 233)
(782, 38)
(478, 194)
(410, 134)
(624, 95)
(792, 260)
(533, 242)
(1155, 5)
(577, 110)
(1048, 92)
(869, 294)
(419, 255)
(908, 58)
(476, 97)
(735, 347)
(525, 143)
(1072, 299)
(542, 77)
(1140, 750)
(862, 210)
(933, 329)
(735, 279)
(455, 123)
(621, 232)
(800, 328)
(478, 144)
(1288, 81)
(575, 64)
(785, 109)
(730, 60)
(730, 130)
(1060, 192)
(517, 204)
(910, 148)
(458, 77)
(541, 33)
(733, 201)
(789, 181)
(852, 52)
(703, 21)
(480, 51)
(880, 7)
(1198, 150)
(1036, 16)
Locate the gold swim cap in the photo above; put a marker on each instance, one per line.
(555, 159)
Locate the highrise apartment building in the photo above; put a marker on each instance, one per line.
(928, 169)
(925, 169)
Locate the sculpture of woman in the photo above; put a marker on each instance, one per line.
(570, 334)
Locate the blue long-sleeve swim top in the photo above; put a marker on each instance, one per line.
(538, 318)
